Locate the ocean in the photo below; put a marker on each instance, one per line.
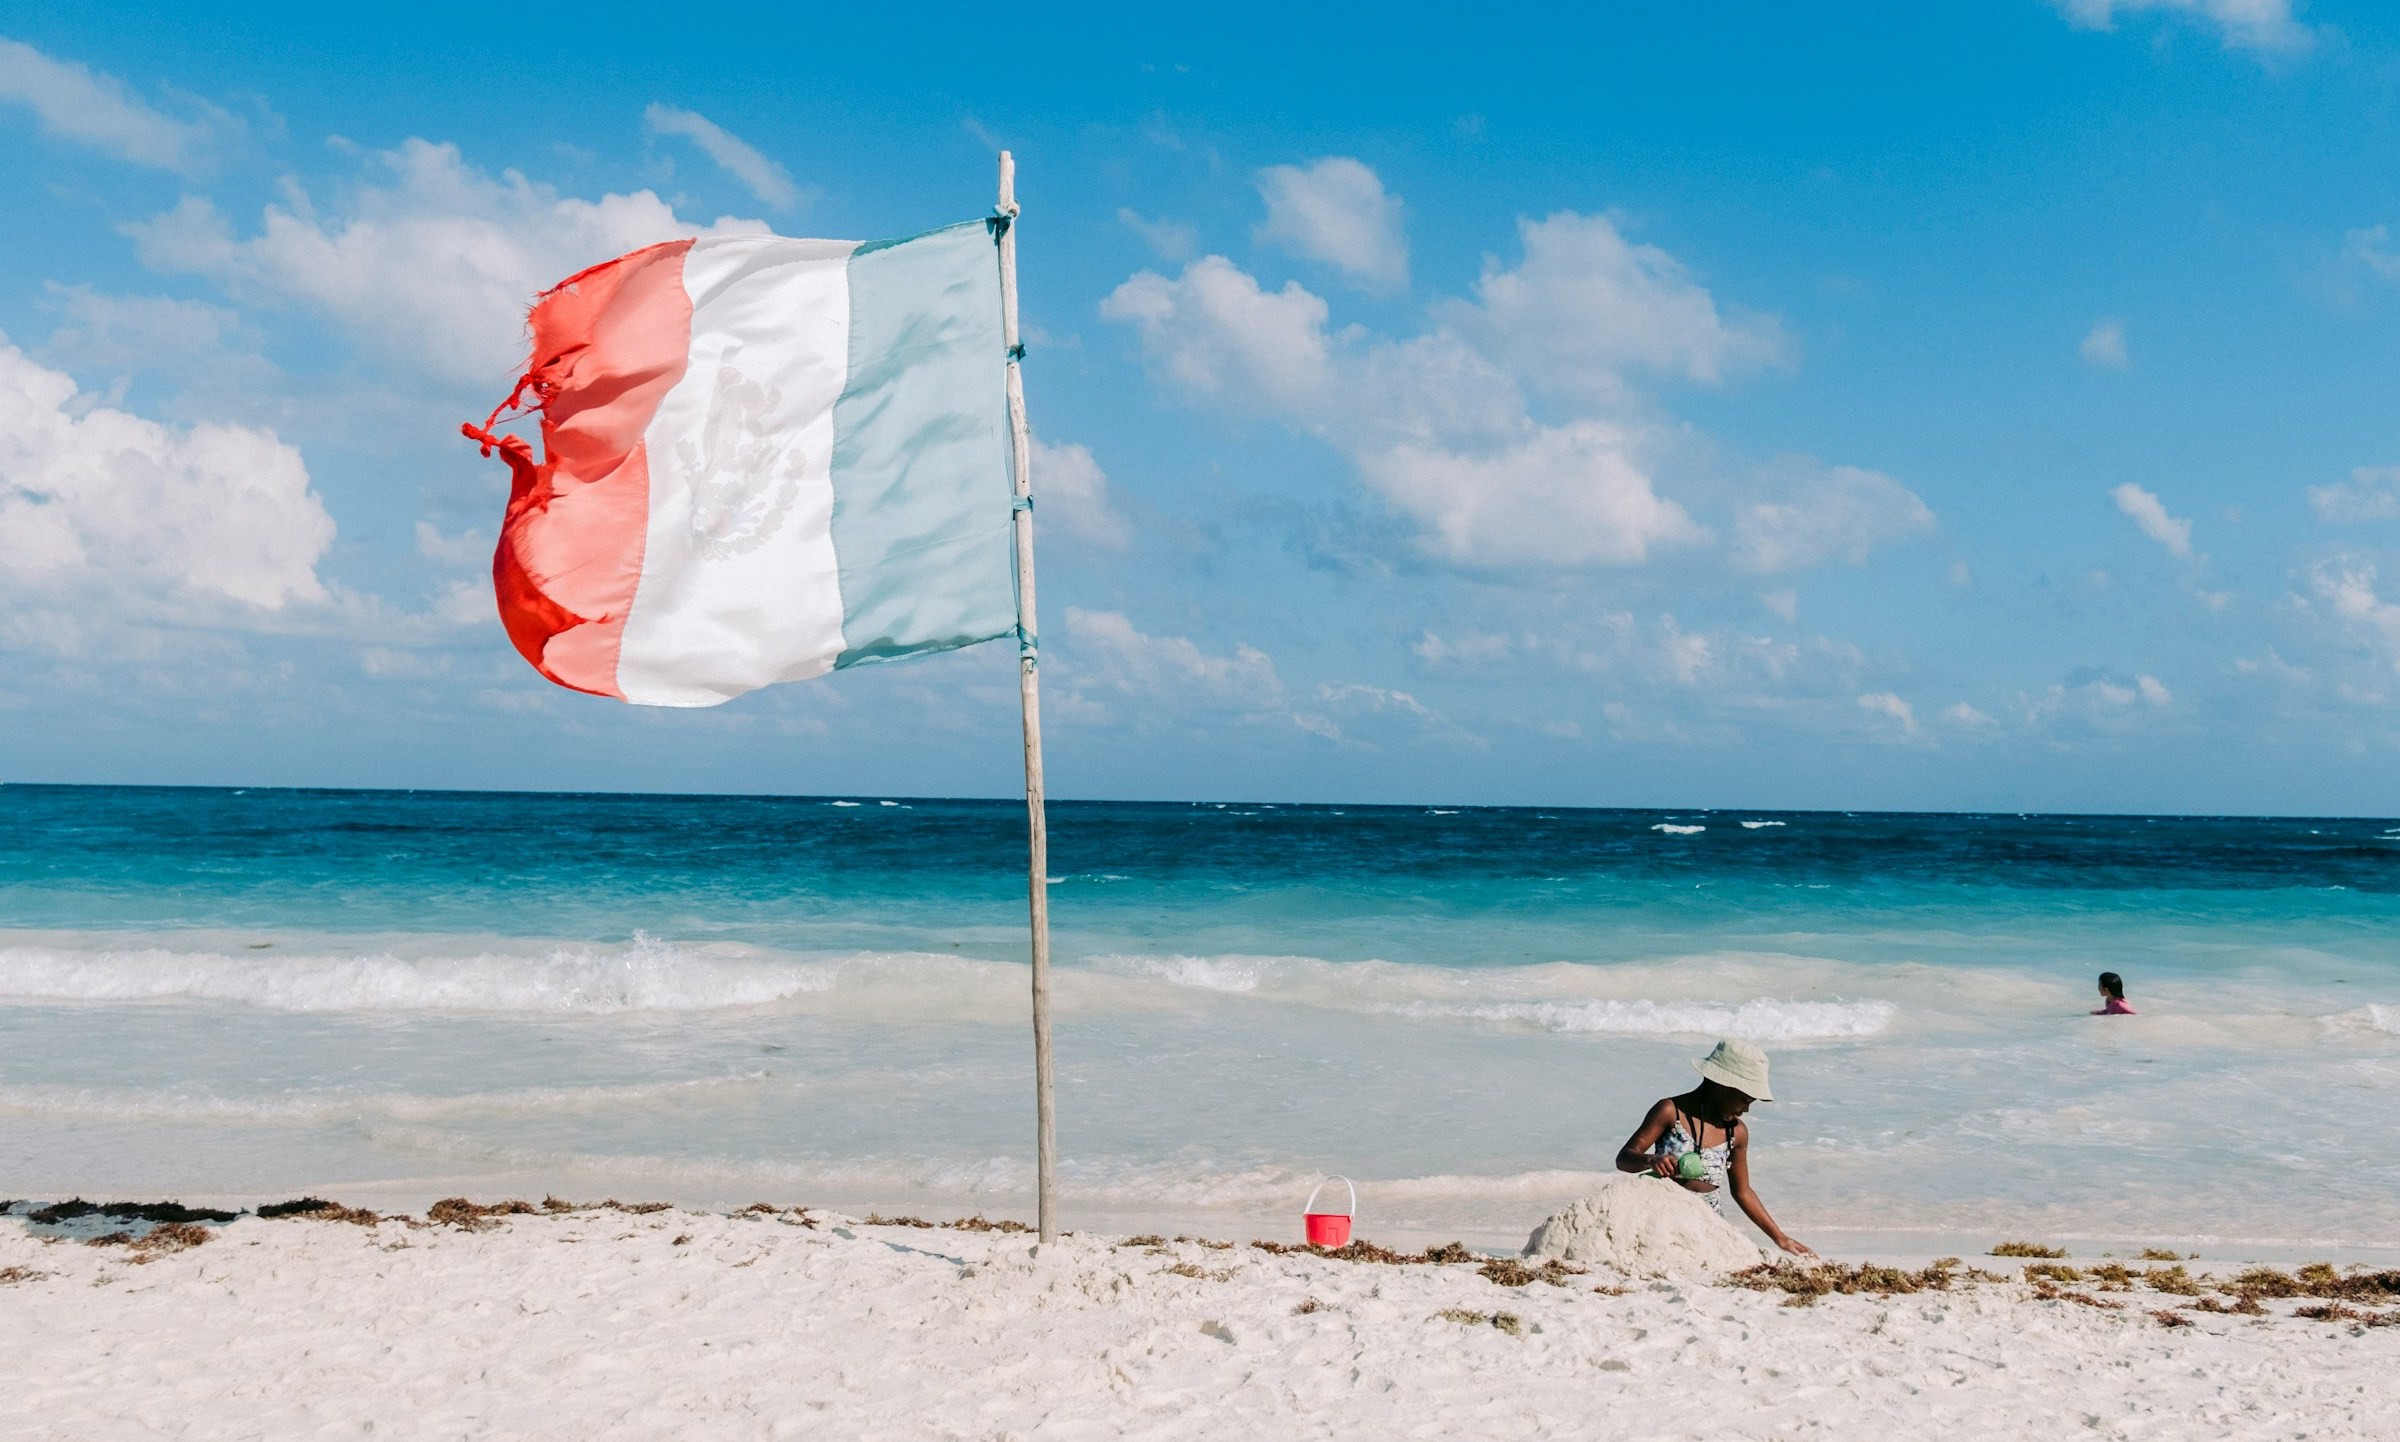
(247, 994)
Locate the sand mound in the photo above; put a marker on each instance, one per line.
(1644, 1225)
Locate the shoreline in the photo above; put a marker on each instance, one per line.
(1890, 1245)
(673, 1322)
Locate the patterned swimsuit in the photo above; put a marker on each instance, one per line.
(1719, 1158)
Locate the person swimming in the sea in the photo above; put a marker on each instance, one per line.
(2112, 996)
(1699, 1141)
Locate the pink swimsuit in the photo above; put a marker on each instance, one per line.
(2116, 1007)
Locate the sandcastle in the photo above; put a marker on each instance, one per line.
(1644, 1226)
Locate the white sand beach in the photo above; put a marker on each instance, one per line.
(609, 1322)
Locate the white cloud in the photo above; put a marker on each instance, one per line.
(1174, 240)
(1784, 602)
(1381, 700)
(74, 102)
(133, 332)
(464, 603)
(1432, 425)
(2348, 589)
(2371, 494)
(1585, 306)
(2265, 26)
(1373, 698)
(1749, 671)
(436, 266)
(1890, 706)
(2371, 247)
(1693, 680)
(1213, 331)
(1071, 492)
(1441, 425)
(2271, 664)
(467, 548)
(1566, 495)
(1129, 661)
(1827, 513)
(2104, 346)
(1963, 715)
(2096, 700)
(125, 512)
(770, 182)
(2146, 512)
(1336, 210)
(1470, 649)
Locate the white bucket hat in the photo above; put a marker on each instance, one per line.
(1739, 1065)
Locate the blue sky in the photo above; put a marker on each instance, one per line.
(1874, 405)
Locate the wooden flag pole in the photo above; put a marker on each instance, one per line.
(1029, 692)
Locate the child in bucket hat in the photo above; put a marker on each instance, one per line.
(1699, 1141)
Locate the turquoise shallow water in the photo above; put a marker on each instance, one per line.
(242, 993)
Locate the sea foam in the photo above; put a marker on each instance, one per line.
(645, 976)
(1764, 1019)
(127, 1104)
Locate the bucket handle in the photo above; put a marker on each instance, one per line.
(1309, 1207)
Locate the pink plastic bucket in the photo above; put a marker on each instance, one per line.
(1328, 1229)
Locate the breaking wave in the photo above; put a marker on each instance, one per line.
(1764, 1019)
(643, 976)
(122, 1104)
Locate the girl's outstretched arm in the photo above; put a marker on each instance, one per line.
(1635, 1156)
(1738, 1173)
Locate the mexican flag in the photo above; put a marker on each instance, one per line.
(763, 459)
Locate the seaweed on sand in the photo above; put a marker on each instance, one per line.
(981, 1223)
(2319, 1280)
(125, 1212)
(168, 1237)
(317, 1209)
(1509, 1272)
(1508, 1322)
(2047, 1293)
(877, 1219)
(2334, 1312)
(1802, 1286)
(160, 1240)
(475, 1217)
(1359, 1251)
(2114, 1276)
(2028, 1249)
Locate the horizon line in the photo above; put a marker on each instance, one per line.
(1211, 802)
